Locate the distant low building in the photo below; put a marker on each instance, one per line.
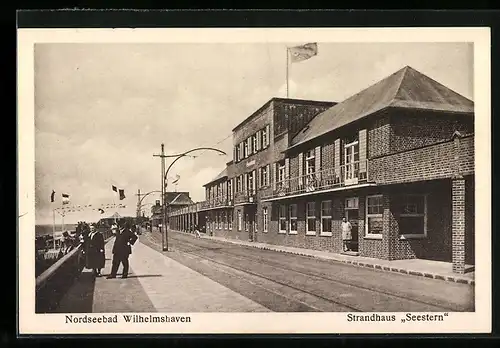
(174, 201)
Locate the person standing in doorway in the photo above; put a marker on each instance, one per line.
(122, 249)
(346, 234)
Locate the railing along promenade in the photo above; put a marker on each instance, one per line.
(55, 281)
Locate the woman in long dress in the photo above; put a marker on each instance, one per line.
(95, 257)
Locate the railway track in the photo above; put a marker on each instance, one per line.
(319, 275)
(310, 290)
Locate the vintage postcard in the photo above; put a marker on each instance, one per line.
(254, 180)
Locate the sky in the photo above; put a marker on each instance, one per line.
(103, 110)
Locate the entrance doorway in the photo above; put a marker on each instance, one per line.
(352, 215)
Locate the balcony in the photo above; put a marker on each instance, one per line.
(245, 197)
(217, 202)
(347, 175)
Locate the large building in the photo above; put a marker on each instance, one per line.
(395, 159)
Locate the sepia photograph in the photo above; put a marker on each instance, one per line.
(177, 181)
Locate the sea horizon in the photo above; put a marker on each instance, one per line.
(45, 229)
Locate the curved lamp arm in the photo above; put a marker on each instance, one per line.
(147, 194)
(192, 150)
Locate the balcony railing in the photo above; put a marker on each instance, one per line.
(348, 174)
(247, 196)
(216, 203)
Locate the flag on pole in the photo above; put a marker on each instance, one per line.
(113, 187)
(65, 198)
(52, 196)
(122, 194)
(304, 52)
(177, 177)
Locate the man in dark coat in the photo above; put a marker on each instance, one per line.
(94, 251)
(124, 239)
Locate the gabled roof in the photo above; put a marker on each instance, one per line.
(178, 198)
(115, 216)
(219, 176)
(406, 88)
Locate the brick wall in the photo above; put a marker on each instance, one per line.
(437, 244)
(412, 129)
(466, 155)
(458, 225)
(301, 240)
(328, 155)
(432, 162)
(292, 116)
(426, 163)
(379, 133)
(469, 220)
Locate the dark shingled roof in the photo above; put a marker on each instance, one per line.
(178, 198)
(406, 88)
(221, 175)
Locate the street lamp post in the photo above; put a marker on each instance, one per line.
(165, 175)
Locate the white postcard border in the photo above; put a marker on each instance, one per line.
(477, 322)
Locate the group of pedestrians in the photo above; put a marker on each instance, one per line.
(93, 249)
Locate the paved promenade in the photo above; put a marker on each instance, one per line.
(156, 283)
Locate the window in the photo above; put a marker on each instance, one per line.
(351, 161)
(245, 149)
(310, 168)
(264, 219)
(311, 218)
(282, 218)
(238, 183)
(263, 176)
(216, 220)
(326, 218)
(229, 190)
(251, 149)
(255, 144)
(256, 222)
(239, 220)
(225, 220)
(374, 211)
(292, 214)
(281, 171)
(250, 179)
(264, 138)
(310, 162)
(230, 220)
(246, 222)
(237, 153)
(413, 215)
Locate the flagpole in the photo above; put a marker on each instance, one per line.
(62, 227)
(287, 67)
(54, 227)
(114, 204)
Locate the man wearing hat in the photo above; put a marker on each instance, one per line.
(124, 239)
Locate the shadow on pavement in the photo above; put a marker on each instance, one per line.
(80, 297)
(145, 276)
